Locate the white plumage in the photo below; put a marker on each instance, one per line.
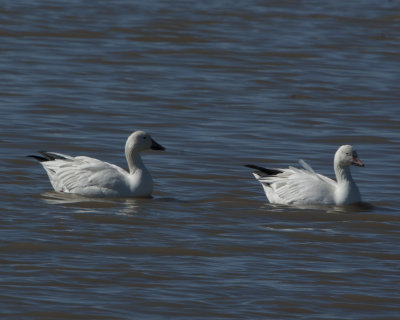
(305, 187)
(91, 177)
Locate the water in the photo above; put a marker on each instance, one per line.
(219, 85)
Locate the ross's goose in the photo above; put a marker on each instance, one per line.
(305, 187)
(92, 177)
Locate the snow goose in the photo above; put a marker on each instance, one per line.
(305, 187)
(91, 177)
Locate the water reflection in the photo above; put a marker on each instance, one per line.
(320, 208)
(83, 204)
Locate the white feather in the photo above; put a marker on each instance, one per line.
(92, 177)
(305, 186)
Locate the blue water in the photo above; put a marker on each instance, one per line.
(219, 85)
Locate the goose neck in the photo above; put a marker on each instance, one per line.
(135, 162)
(343, 174)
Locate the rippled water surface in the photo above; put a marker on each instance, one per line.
(219, 85)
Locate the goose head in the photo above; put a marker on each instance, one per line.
(346, 156)
(140, 141)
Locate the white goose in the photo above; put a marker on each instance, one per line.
(305, 187)
(91, 177)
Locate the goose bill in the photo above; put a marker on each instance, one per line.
(357, 162)
(156, 146)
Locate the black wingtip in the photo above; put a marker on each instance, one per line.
(46, 156)
(38, 158)
(269, 172)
